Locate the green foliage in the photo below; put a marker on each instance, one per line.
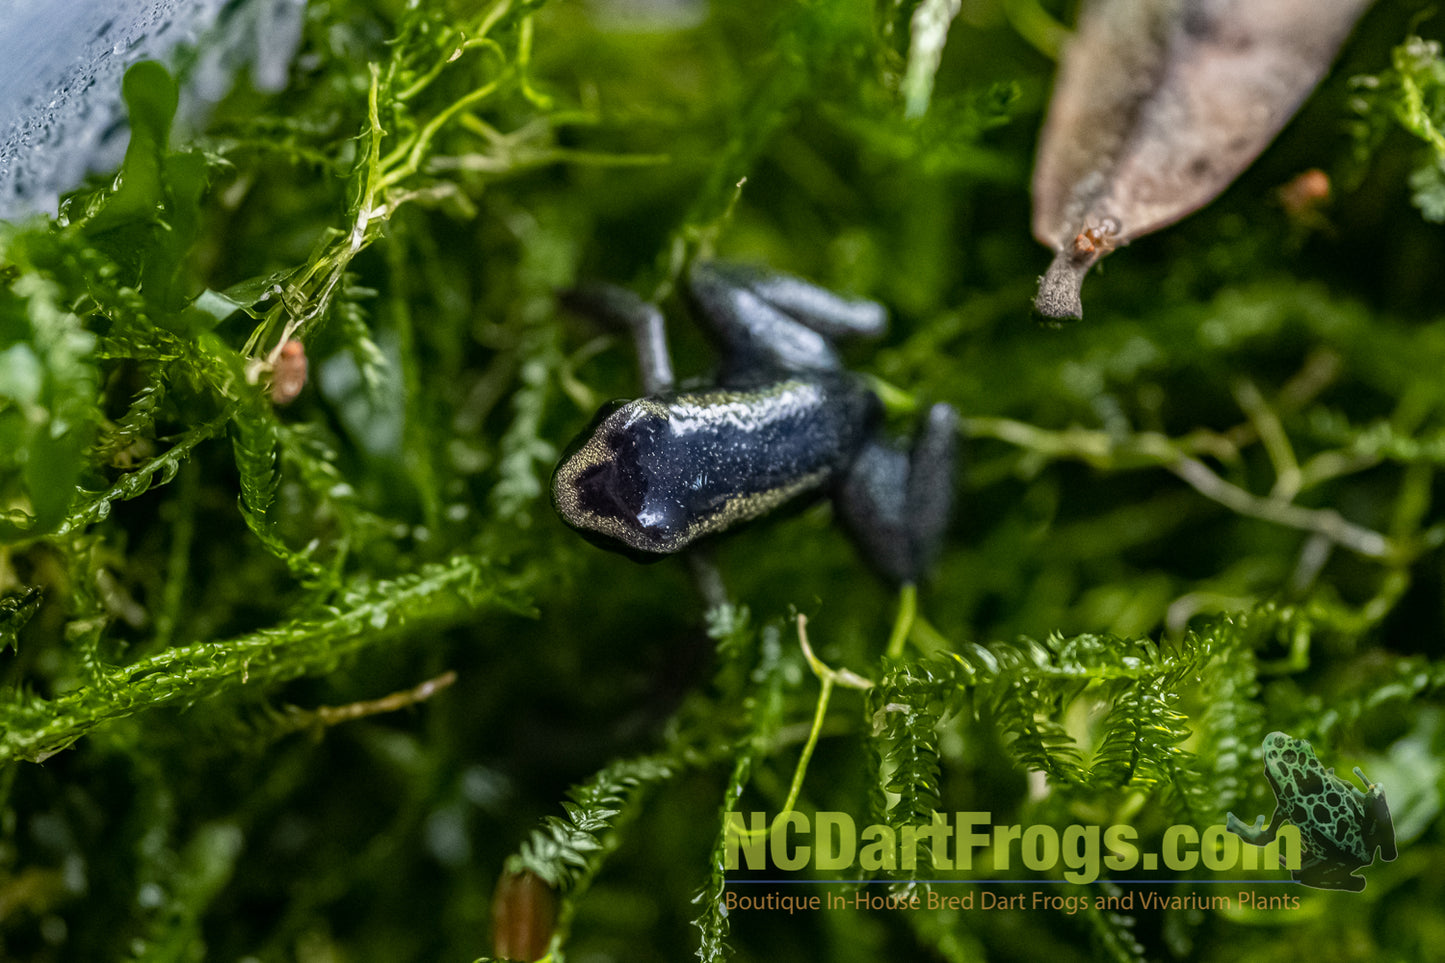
(567, 852)
(1412, 94)
(15, 611)
(1215, 503)
(1028, 691)
(1113, 932)
(36, 728)
(48, 380)
(762, 699)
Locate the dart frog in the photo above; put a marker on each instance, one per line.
(1340, 827)
(783, 419)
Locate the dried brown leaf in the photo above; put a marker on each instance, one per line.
(1158, 105)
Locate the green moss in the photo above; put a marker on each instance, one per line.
(227, 623)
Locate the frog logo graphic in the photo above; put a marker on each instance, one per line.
(1340, 826)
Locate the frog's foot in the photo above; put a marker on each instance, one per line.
(1327, 876)
(1256, 834)
(619, 309)
(896, 503)
(769, 322)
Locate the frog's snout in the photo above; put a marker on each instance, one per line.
(603, 490)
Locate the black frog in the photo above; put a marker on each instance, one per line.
(1340, 826)
(782, 419)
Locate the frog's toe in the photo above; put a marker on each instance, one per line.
(1249, 833)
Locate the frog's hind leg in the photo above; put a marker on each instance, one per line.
(1381, 825)
(1322, 873)
(766, 322)
(896, 503)
(619, 308)
(826, 312)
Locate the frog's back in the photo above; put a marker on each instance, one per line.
(659, 473)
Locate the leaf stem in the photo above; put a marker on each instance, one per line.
(827, 677)
(903, 622)
(1151, 449)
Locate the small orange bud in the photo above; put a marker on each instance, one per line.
(288, 374)
(1304, 193)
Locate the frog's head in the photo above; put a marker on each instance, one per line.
(601, 485)
(1290, 766)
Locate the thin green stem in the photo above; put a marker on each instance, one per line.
(903, 622)
(1151, 449)
(36, 729)
(1272, 434)
(415, 149)
(801, 771)
(828, 677)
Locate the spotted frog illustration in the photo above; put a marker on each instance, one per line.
(1340, 826)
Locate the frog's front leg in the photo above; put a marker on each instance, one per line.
(1257, 834)
(896, 503)
(619, 308)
